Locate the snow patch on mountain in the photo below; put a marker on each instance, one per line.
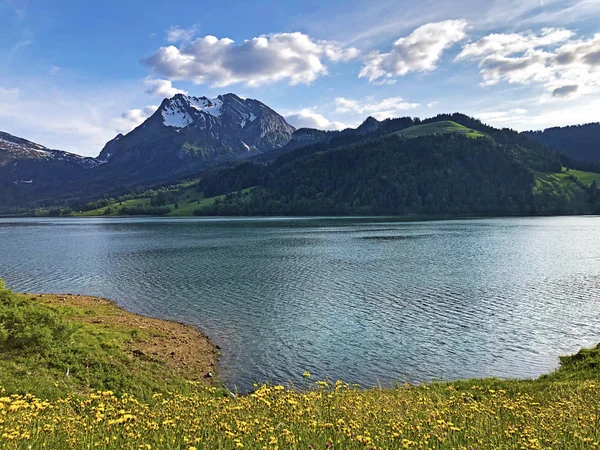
(174, 115)
(212, 106)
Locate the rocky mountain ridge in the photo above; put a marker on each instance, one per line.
(188, 128)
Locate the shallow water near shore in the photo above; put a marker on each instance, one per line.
(368, 300)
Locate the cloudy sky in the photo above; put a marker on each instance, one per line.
(75, 73)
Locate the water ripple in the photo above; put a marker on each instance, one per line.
(372, 301)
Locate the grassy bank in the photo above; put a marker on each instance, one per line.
(558, 411)
(53, 346)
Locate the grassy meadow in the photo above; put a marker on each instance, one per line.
(443, 127)
(187, 201)
(115, 398)
(565, 191)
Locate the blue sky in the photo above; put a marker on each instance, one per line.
(76, 73)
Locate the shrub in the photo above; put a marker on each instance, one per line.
(29, 328)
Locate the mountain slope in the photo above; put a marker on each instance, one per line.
(12, 147)
(29, 170)
(582, 142)
(431, 166)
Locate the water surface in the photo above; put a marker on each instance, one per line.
(371, 300)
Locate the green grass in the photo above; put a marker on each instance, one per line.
(443, 127)
(561, 183)
(587, 178)
(114, 207)
(583, 365)
(189, 200)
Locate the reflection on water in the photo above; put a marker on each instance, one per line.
(371, 301)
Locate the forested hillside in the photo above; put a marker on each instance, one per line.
(437, 174)
(582, 142)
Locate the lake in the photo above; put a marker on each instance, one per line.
(372, 301)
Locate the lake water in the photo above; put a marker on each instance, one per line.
(371, 301)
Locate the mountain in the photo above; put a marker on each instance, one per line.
(23, 161)
(12, 148)
(188, 132)
(29, 170)
(581, 142)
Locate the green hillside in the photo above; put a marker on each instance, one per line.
(443, 127)
(586, 178)
(434, 174)
(177, 202)
(569, 191)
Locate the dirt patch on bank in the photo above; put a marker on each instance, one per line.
(182, 349)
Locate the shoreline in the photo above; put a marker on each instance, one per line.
(557, 410)
(399, 218)
(190, 338)
(184, 349)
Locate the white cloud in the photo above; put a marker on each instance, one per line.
(567, 67)
(375, 22)
(385, 82)
(309, 118)
(418, 52)
(382, 109)
(432, 104)
(161, 88)
(177, 34)
(133, 118)
(265, 59)
(560, 114)
(539, 116)
(509, 116)
(507, 44)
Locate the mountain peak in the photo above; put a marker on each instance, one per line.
(369, 125)
(370, 120)
(183, 110)
(230, 110)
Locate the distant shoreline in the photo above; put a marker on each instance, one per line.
(399, 218)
